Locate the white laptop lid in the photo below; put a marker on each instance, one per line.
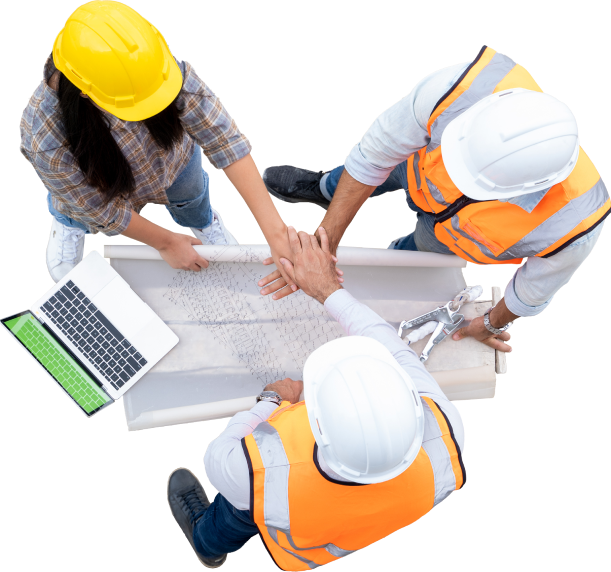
(105, 324)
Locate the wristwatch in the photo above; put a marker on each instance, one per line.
(271, 396)
(490, 327)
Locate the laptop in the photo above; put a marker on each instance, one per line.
(93, 334)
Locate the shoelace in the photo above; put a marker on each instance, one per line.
(70, 244)
(194, 505)
(215, 233)
(309, 185)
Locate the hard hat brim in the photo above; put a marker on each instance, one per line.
(319, 362)
(458, 170)
(153, 104)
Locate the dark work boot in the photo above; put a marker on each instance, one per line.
(188, 503)
(295, 185)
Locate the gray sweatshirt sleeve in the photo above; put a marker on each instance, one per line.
(534, 284)
(400, 130)
(225, 462)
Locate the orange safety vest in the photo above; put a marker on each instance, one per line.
(495, 232)
(306, 519)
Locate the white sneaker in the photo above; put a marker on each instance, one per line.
(215, 233)
(65, 249)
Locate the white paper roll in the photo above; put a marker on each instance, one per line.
(467, 383)
(458, 384)
(347, 255)
(191, 413)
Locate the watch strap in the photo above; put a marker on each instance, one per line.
(270, 396)
(491, 328)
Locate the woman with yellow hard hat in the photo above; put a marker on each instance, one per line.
(115, 124)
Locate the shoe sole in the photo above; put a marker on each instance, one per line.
(288, 200)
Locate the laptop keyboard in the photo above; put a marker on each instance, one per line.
(89, 330)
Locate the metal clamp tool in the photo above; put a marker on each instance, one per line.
(447, 318)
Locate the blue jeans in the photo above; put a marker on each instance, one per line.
(222, 529)
(423, 238)
(188, 195)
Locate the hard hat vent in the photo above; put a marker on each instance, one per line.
(123, 36)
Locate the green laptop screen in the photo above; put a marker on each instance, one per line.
(68, 373)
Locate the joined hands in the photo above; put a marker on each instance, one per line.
(312, 268)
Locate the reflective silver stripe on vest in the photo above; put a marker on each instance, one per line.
(550, 230)
(416, 171)
(311, 564)
(276, 487)
(436, 193)
(330, 548)
(445, 480)
(468, 256)
(560, 223)
(274, 534)
(482, 86)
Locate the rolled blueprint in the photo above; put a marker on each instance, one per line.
(468, 383)
(451, 382)
(347, 255)
(454, 378)
(190, 413)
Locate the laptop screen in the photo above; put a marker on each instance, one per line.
(58, 362)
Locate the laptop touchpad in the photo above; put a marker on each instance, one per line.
(123, 308)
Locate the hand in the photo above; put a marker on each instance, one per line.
(287, 388)
(276, 282)
(180, 254)
(313, 269)
(476, 329)
(332, 245)
(280, 248)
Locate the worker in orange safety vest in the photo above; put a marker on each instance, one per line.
(374, 446)
(493, 168)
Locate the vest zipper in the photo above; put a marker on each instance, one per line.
(456, 206)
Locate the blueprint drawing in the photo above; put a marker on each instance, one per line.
(272, 339)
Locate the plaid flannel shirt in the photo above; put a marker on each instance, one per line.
(44, 144)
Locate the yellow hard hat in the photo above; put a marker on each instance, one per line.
(118, 59)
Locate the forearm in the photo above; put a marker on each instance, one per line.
(501, 315)
(245, 177)
(145, 231)
(347, 200)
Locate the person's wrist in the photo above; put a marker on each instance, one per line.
(164, 239)
(327, 291)
(495, 319)
(276, 233)
(273, 387)
(270, 396)
(495, 329)
(333, 243)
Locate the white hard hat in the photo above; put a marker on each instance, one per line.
(363, 409)
(509, 144)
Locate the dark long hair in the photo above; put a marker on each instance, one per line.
(98, 155)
